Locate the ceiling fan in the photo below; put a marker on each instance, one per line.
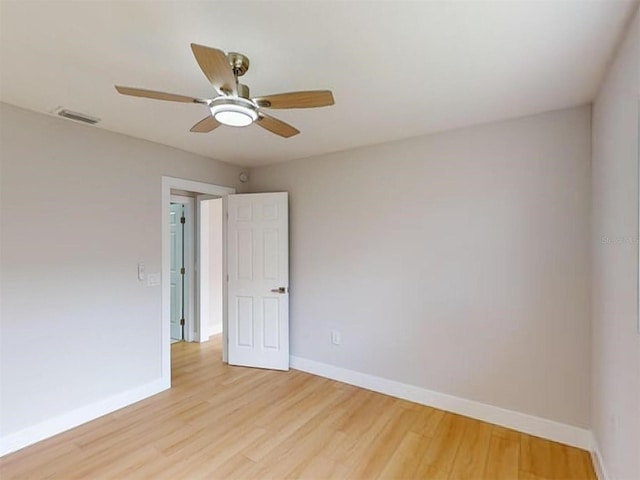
(233, 105)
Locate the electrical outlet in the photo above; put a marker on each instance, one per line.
(336, 337)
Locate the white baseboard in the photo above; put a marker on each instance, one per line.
(596, 459)
(537, 426)
(212, 331)
(30, 435)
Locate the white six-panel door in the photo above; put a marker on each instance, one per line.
(258, 286)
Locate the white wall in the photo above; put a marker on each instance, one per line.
(80, 208)
(615, 389)
(457, 262)
(215, 266)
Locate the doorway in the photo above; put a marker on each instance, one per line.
(196, 265)
(198, 287)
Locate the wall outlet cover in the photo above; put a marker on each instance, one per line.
(153, 279)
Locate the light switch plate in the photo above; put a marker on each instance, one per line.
(153, 280)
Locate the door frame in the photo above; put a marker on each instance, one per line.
(200, 188)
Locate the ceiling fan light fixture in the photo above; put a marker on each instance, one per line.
(234, 111)
(233, 118)
(233, 106)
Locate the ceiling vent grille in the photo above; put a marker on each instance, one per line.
(78, 117)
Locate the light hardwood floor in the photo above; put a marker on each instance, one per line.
(229, 422)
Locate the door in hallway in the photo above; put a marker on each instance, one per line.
(177, 271)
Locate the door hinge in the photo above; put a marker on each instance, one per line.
(183, 271)
(182, 322)
(182, 220)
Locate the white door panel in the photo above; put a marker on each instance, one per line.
(177, 299)
(258, 267)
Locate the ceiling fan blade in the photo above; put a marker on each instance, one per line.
(276, 126)
(216, 68)
(139, 92)
(205, 125)
(310, 99)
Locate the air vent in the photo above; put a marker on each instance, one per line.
(78, 117)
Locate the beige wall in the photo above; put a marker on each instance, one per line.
(616, 342)
(457, 262)
(211, 250)
(80, 208)
(215, 266)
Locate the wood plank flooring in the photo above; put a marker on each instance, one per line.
(222, 422)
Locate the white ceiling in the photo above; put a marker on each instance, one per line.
(397, 69)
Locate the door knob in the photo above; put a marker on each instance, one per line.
(279, 290)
